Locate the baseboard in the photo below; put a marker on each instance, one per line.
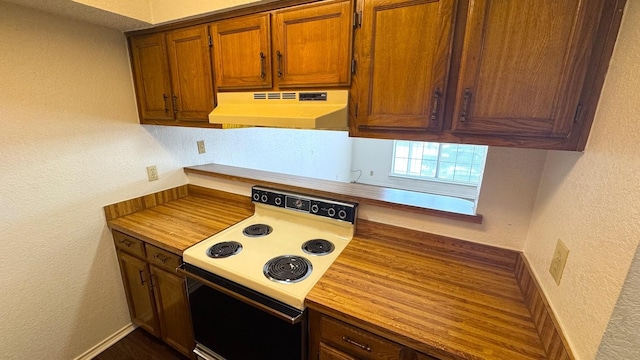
(106, 343)
(553, 340)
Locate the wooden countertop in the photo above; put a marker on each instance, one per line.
(434, 294)
(179, 223)
(430, 293)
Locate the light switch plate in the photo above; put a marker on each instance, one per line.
(201, 149)
(559, 261)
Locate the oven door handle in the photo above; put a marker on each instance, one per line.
(288, 318)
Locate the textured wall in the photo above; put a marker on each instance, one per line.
(69, 144)
(621, 340)
(590, 201)
(506, 200)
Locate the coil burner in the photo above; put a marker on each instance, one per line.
(287, 269)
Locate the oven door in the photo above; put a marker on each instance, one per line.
(233, 322)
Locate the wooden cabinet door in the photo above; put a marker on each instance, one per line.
(173, 310)
(242, 52)
(191, 78)
(523, 66)
(403, 53)
(151, 77)
(136, 277)
(312, 45)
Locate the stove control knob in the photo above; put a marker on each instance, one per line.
(256, 196)
(331, 212)
(342, 214)
(314, 208)
(278, 201)
(264, 198)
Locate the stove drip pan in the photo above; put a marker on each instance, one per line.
(257, 230)
(287, 269)
(224, 249)
(318, 247)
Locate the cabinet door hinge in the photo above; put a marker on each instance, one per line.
(576, 116)
(357, 19)
(353, 66)
(210, 41)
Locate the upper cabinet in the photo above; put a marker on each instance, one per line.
(520, 73)
(151, 76)
(496, 72)
(403, 50)
(242, 53)
(172, 77)
(311, 48)
(312, 45)
(523, 66)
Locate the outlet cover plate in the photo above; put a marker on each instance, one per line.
(152, 173)
(559, 261)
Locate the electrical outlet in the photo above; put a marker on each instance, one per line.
(559, 260)
(152, 173)
(201, 149)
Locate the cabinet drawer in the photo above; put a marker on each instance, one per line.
(358, 342)
(162, 258)
(129, 244)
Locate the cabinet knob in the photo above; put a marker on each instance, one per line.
(142, 280)
(263, 70)
(166, 108)
(436, 104)
(355, 343)
(160, 258)
(174, 99)
(465, 105)
(279, 56)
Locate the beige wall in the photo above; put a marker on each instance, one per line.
(591, 202)
(69, 144)
(506, 201)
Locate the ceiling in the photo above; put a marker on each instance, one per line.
(77, 11)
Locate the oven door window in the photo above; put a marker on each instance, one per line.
(237, 331)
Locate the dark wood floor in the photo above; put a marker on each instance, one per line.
(140, 345)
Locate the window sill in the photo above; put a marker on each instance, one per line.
(428, 204)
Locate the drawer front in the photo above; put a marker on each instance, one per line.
(162, 258)
(358, 342)
(128, 244)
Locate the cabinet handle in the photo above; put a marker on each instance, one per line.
(363, 347)
(142, 281)
(263, 70)
(166, 108)
(465, 105)
(436, 103)
(174, 99)
(279, 56)
(126, 243)
(151, 283)
(161, 258)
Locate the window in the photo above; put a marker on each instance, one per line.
(456, 163)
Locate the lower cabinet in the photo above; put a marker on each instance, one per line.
(156, 294)
(332, 339)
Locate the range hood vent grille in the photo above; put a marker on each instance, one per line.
(300, 110)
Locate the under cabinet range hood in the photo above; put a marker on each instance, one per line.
(325, 110)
